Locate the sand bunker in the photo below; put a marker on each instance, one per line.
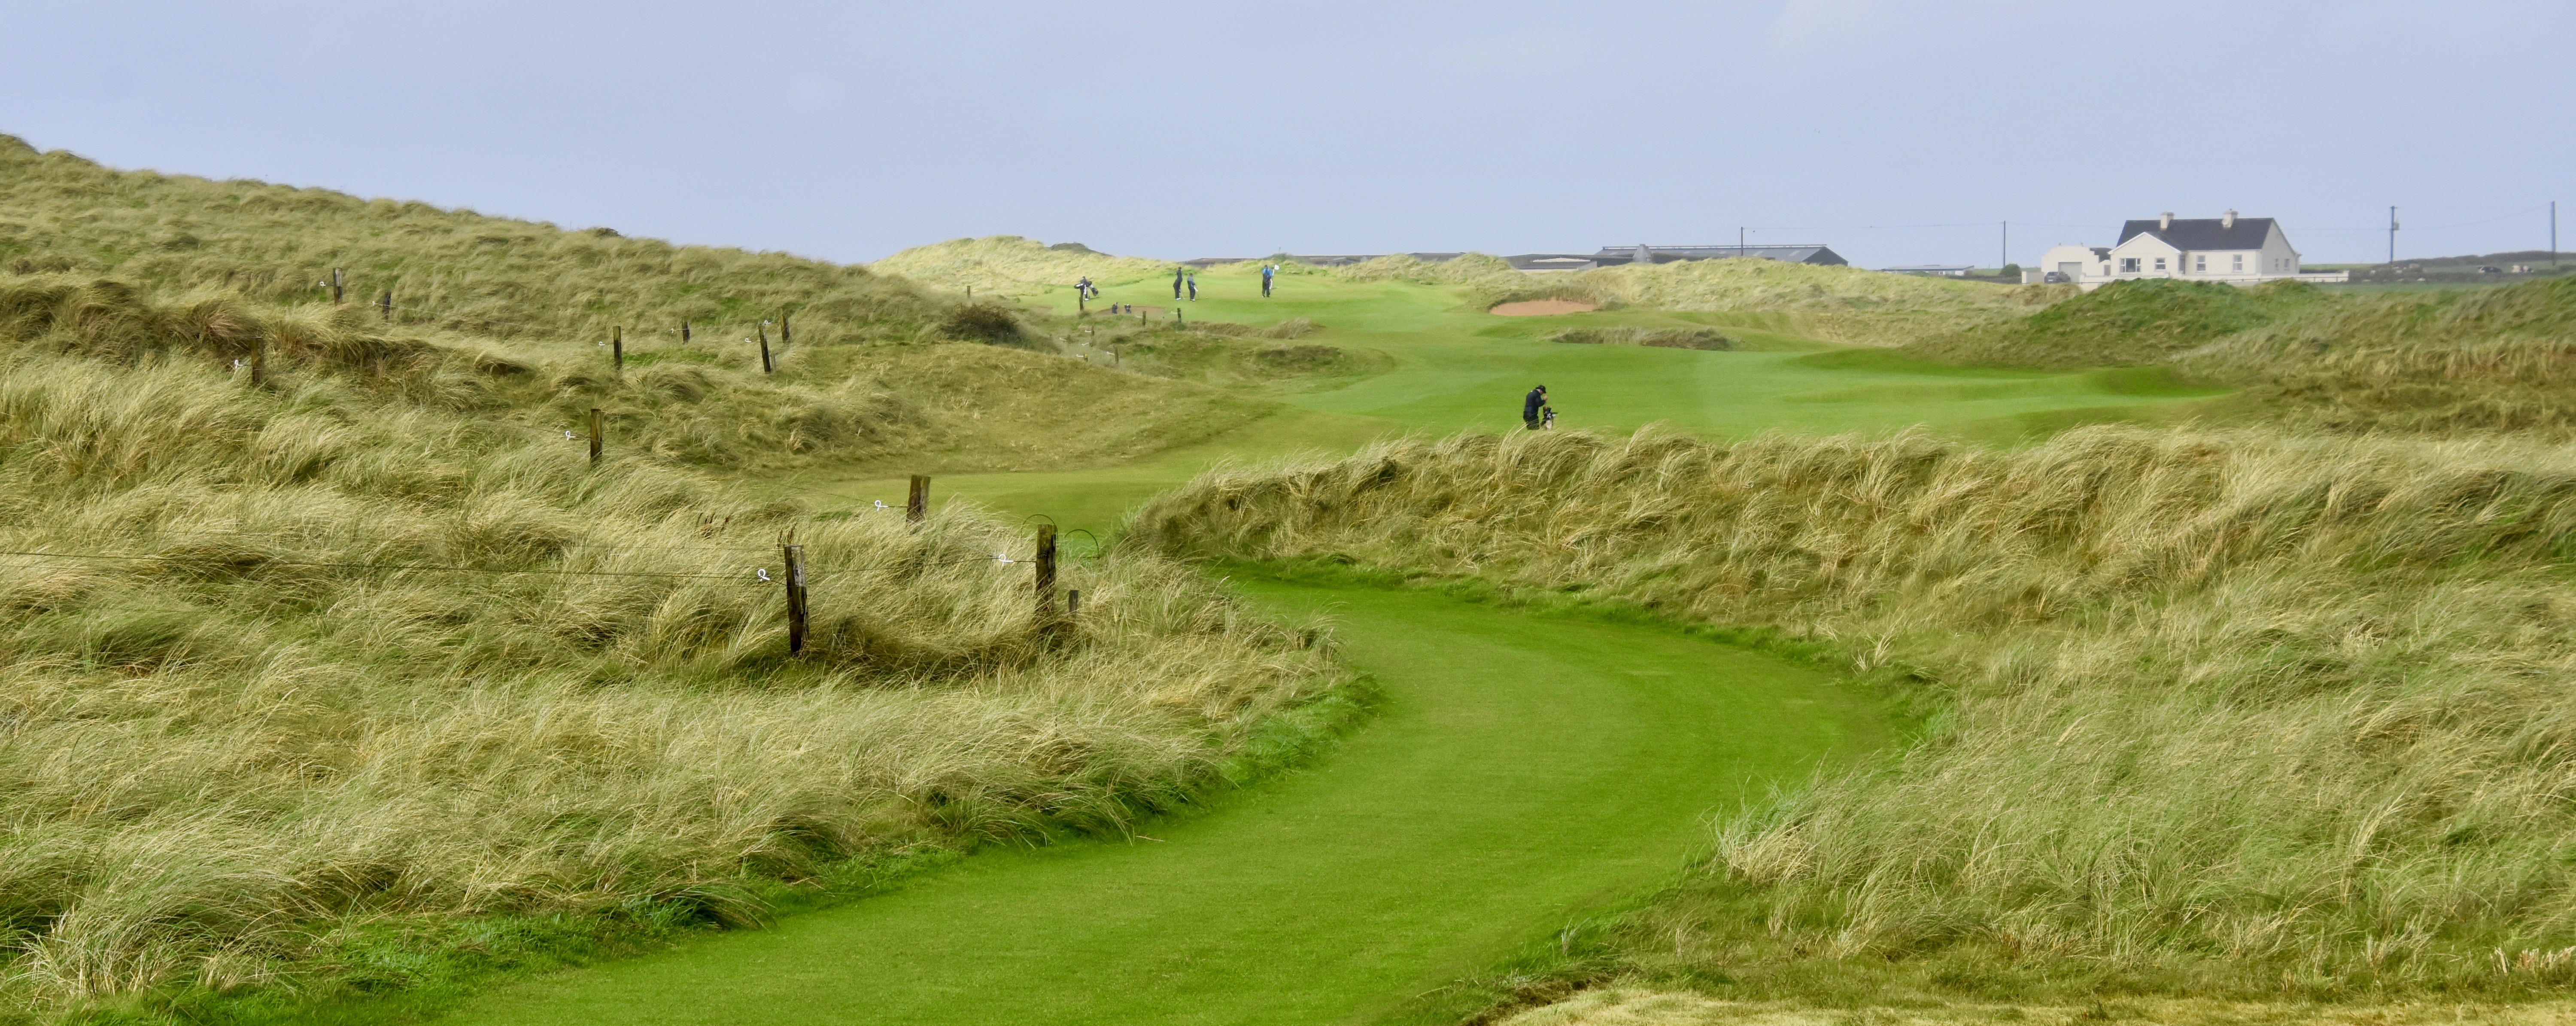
(1540, 308)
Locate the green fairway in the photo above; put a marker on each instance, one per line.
(1525, 769)
(1455, 367)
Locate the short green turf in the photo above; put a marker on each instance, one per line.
(1526, 769)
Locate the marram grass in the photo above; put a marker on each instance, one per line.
(2224, 711)
(297, 714)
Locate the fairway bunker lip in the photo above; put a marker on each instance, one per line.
(1541, 308)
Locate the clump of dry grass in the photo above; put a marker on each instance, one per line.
(2236, 709)
(315, 655)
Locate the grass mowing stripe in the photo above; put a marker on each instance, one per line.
(1525, 768)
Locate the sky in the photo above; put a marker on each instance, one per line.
(1896, 131)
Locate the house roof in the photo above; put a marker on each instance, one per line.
(2204, 232)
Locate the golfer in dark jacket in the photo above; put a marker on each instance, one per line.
(1530, 405)
(1177, 274)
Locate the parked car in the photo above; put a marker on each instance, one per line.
(2054, 278)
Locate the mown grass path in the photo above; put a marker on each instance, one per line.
(1526, 767)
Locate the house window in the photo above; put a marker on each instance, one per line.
(2238, 261)
(2128, 265)
(2160, 263)
(2199, 264)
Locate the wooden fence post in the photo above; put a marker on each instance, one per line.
(1046, 574)
(594, 435)
(786, 331)
(617, 347)
(795, 599)
(766, 367)
(917, 507)
(1072, 603)
(337, 280)
(684, 332)
(259, 363)
(387, 304)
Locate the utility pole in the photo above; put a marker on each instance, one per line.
(2392, 238)
(2004, 257)
(2553, 233)
(1739, 240)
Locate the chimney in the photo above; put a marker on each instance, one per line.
(2228, 221)
(2165, 222)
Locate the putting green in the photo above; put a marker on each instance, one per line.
(1526, 768)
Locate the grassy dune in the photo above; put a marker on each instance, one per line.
(511, 320)
(2120, 324)
(497, 277)
(1011, 265)
(2230, 713)
(367, 677)
(247, 725)
(2451, 363)
(1840, 304)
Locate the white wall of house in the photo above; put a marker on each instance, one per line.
(2075, 262)
(2146, 256)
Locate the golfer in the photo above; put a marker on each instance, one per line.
(1266, 271)
(1531, 404)
(1177, 275)
(1194, 288)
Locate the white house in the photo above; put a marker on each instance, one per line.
(2232, 249)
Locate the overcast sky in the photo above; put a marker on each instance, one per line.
(1897, 131)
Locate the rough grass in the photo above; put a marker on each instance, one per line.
(2122, 323)
(2453, 362)
(361, 660)
(1011, 265)
(1631, 1007)
(1836, 303)
(1222, 353)
(1845, 304)
(494, 277)
(511, 320)
(2224, 713)
(1667, 338)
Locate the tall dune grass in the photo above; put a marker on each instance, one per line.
(2464, 361)
(2237, 709)
(511, 320)
(491, 276)
(314, 656)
